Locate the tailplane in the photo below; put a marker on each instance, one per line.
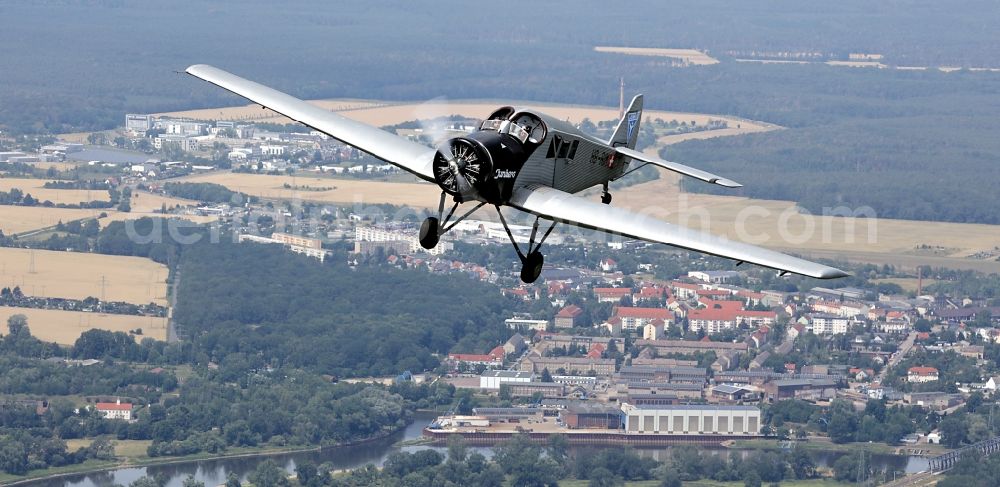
(627, 131)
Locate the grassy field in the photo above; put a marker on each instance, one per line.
(77, 275)
(67, 196)
(130, 449)
(64, 327)
(688, 56)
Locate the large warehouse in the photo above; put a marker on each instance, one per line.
(492, 379)
(691, 419)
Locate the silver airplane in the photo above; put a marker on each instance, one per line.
(526, 160)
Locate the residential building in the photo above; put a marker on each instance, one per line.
(115, 410)
(569, 317)
(715, 277)
(826, 324)
(474, 359)
(611, 294)
(636, 318)
(581, 366)
(921, 374)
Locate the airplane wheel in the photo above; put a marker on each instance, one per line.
(531, 268)
(429, 233)
(606, 198)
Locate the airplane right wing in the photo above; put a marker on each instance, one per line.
(407, 155)
(560, 206)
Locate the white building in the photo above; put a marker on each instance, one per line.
(114, 410)
(692, 419)
(493, 379)
(829, 324)
(529, 324)
(717, 277)
(363, 233)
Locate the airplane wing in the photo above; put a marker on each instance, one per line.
(391, 148)
(563, 207)
(678, 168)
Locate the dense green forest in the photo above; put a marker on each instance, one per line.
(204, 192)
(295, 311)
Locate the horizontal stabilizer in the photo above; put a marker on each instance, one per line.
(679, 168)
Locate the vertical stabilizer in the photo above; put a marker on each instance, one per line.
(627, 131)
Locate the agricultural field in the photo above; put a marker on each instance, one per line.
(20, 219)
(78, 275)
(67, 196)
(692, 57)
(64, 327)
(344, 191)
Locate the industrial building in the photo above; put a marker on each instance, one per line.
(591, 416)
(692, 419)
(493, 379)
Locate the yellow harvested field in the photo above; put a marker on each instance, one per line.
(345, 191)
(19, 219)
(687, 56)
(67, 196)
(78, 275)
(64, 327)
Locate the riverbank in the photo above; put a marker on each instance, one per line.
(827, 446)
(92, 466)
(139, 461)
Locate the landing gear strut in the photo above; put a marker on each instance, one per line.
(532, 262)
(433, 227)
(606, 196)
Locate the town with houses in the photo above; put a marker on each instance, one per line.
(624, 355)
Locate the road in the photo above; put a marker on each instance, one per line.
(904, 349)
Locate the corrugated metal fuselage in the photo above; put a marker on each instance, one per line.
(569, 160)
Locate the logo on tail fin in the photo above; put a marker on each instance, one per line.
(632, 119)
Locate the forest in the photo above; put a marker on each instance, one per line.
(295, 311)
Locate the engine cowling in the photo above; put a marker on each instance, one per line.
(484, 164)
(463, 167)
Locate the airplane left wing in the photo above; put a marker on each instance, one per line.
(563, 207)
(391, 148)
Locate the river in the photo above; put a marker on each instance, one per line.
(214, 472)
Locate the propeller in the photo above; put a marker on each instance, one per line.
(460, 165)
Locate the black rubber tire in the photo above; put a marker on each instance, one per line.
(429, 233)
(531, 268)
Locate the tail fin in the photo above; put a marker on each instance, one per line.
(627, 131)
